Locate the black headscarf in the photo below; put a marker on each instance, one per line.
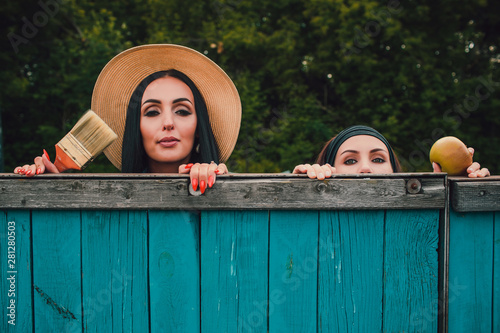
(333, 147)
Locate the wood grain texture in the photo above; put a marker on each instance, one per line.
(350, 282)
(234, 265)
(496, 274)
(275, 253)
(475, 196)
(471, 272)
(135, 299)
(22, 289)
(174, 271)
(411, 271)
(229, 192)
(293, 270)
(114, 266)
(57, 271)
(282, 271)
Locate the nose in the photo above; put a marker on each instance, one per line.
(168, 121)
(365, 168)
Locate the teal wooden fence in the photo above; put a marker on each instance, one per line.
(474, 256)
(256, 253)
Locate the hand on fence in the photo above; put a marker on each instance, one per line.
(473, 171)
(315, 171)
(203, 174)
(42, 165)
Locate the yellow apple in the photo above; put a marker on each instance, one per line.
(452, 155)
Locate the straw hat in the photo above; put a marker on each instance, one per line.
(121, 76)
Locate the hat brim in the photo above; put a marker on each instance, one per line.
(121, 76)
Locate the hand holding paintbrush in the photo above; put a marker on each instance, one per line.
(87, 139)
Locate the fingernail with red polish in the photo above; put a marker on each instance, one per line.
(22, 171)
(217, 171)
(29, 172)
(46, 154)
(194, 182)
(38, 171)
(202, 186)
(210, 181)
(189, 166)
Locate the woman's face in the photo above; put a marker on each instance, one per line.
(168, 124)
(363, 154)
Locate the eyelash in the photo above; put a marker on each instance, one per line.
(348, 161)
(183, 112)
(151, 113)
(154, 112)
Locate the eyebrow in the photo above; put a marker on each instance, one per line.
(151, 101)
(377, 150)
(182, 99)
(349, 151)
(357, 152)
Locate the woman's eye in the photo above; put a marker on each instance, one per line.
(378, 160)
(350, 161)
(151, 113)
(183, 112)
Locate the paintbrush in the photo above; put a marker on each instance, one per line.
(87, 139)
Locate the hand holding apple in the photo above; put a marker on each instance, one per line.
(452, 156)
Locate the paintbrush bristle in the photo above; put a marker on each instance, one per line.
(87, 139)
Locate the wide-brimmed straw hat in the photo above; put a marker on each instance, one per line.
(121, 76)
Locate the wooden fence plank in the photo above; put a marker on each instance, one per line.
(114, 265)
(351, 253)
(411, 271)
(15, 284)
(230, 192)
(234, 265)
(293, 258)
(266, 254)
(478, 195)
(471, 272)
(57, 271)
(174, 271)
(496, 274)
(134, 279)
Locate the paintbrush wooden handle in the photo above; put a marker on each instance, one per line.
(63, 162)
(86, 140)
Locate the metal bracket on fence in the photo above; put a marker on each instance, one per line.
(413, 186)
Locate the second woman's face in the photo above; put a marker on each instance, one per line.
(363, 154)
(168, 123)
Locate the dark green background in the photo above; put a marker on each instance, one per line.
(415, 70)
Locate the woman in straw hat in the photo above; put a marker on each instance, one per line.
(362, 149)
(173, 109)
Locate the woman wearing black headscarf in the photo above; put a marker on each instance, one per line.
(362, 149)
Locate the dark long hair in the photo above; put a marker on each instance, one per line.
(134, 157)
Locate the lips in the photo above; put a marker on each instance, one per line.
(168, 142)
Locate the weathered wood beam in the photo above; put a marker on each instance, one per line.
(234, 191)
(475, 195)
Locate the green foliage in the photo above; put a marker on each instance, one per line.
(304, 70)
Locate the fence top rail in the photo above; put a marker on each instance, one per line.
(234, 191)
(475, 194)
